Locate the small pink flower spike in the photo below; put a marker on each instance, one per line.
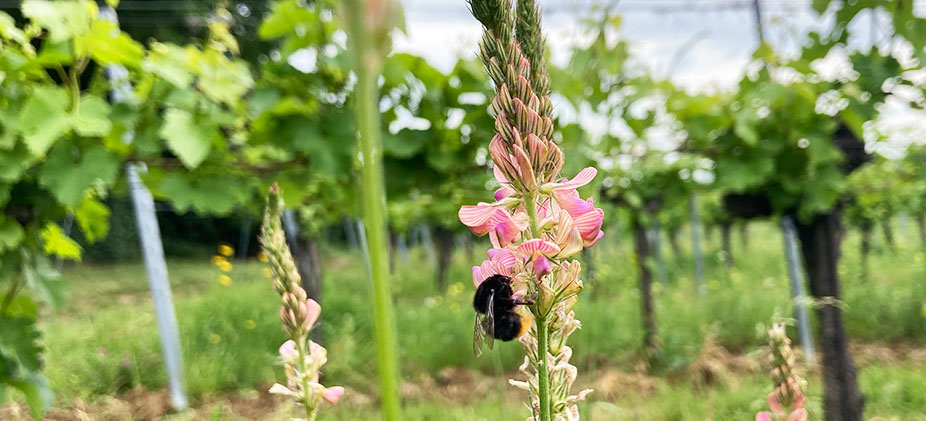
(333, 394)
(773, 403)
(764, 416)
(313, 311)
(288, 349)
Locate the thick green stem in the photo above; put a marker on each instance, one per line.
(543, 336)
(374, 203)
(543, 374)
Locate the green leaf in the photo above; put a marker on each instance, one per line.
(42, 278)
(68, 180)
(211, 195)
(221, 79)
(63, 19)
(189, 140)
(11, 234)
(284, 18)
(93, 218)
(44, 118)
(93, 119)
(106, 44)
(820, 6)
(406, 143)
(9, 31)
(171, 63)
(56, 242)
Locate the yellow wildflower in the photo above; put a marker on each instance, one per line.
(226, 250)
(225, 280)
(224, 265)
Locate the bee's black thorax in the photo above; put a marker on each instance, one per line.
(499, 288)
(507, 323)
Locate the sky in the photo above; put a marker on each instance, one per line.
(714, 38)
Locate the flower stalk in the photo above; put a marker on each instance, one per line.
(369, 24)
(302, 358)
(537, 221)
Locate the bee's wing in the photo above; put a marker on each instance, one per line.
(488, 323)
(484, 330)
(479, 336)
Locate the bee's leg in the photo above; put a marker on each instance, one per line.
(527, 301)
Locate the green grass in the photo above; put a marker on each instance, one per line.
(104, 339)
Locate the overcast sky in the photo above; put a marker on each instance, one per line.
(725, 30)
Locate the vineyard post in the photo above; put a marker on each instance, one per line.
(696, 243)
(149, 235)
(795, 272)
(244, 239)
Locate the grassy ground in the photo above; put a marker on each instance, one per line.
(103, 342)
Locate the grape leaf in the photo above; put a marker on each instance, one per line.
(44, 118)
(171, 63)
(56, 242)
(10, 234)
(108, 45)
(68, 180)
(212, 195)
(189, 140)
(93, 118)
(93, 218)
(63, 19)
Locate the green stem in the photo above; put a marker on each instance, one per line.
(310, 411)
(368, 125)
(543, 336)
(543, 373)
(531, 214)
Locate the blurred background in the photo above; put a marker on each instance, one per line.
(759, 161)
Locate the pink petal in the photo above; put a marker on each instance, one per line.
(588, 244)
(764, 416)
(477, 217)
(279, 389)
(477, 276)
(536, 245)
(288, 349)
(542, 266)
(499, 175)
(582, 178)
(503, 256)
(333, 394)
(313, 311)
(503, 192)
(773, 403)
(798, 415)
(573, 204)
(589, 223)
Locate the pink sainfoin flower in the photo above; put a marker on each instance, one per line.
(302, 358)
(787, 400)
(538, 220)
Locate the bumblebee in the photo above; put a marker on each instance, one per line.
(496, 317)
